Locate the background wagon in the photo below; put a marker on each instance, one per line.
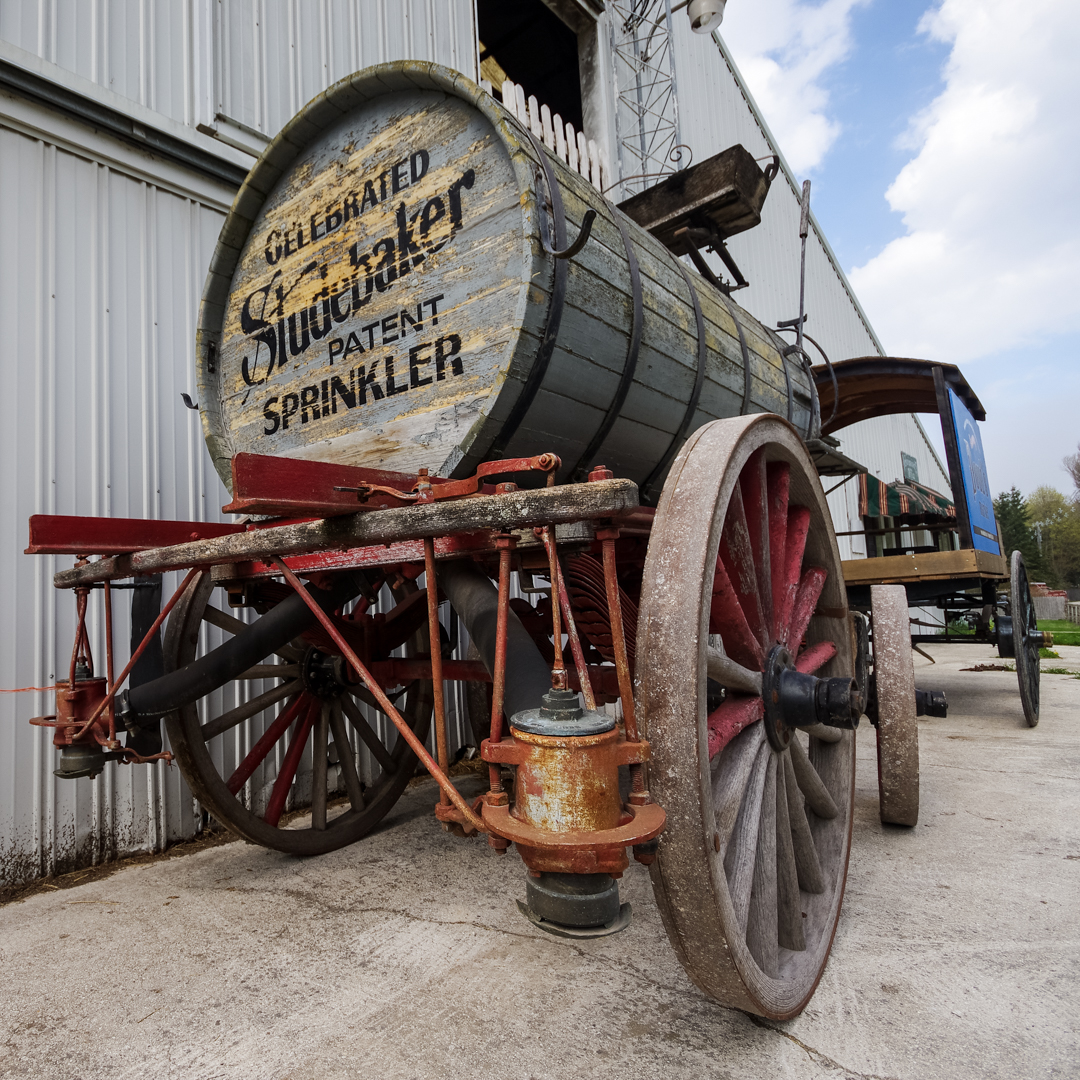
(963, 571)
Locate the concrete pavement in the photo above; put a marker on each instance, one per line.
(958, 952)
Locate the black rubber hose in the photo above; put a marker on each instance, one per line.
(476, 600)
(270, 632)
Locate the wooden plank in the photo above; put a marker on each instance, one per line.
(544, 506)
(293, 487)
(928, 566)
(59, 534)
(729, 189)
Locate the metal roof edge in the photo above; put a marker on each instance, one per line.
(29, 76)
(795, 187)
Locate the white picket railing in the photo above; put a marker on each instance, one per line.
(581, 154)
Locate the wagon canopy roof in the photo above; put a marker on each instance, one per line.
(872, 386)
(911, 501)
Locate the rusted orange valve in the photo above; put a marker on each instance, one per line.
(568, 820)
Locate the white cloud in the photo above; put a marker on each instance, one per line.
(990, 202)
(782, 48)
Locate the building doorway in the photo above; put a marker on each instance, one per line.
(527, 42)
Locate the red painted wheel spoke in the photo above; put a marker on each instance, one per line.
(755, 498)
(726, 721)
(726, 618)
(814, 657)
(737, 556)
(290, 764)
(813, 581)
(784, 590)
(257, 754)
(778, 474)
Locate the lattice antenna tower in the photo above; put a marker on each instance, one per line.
(647, 111)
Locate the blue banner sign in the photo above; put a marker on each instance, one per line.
(976, 488)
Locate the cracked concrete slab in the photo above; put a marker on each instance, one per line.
(957, 955)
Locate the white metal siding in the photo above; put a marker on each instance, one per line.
(256, 61)
(149, 51)
(273, 56)
(103, 253)
(100, 274)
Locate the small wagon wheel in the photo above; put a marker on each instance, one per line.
(243, 763)
(750, 870)
(897, 726)
(1026, 638)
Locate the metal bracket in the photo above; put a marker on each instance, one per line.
(694, 239)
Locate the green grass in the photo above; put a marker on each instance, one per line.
(1065, 632)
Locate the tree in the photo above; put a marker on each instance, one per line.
(1072, 467)
(1055, 523)
(1016, 535)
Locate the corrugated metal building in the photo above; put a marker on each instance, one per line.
(125, 128)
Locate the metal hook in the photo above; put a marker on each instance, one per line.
(578, 244)
(188, 402)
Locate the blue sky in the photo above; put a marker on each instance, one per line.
(942, 138)
(891, 74)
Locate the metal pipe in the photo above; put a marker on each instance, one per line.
(571, 626)
(109, 659)
(475, 599)
(138, 652)
(278, 626)
(435, 641)
(506, 545)
(558, 670)
(618, 639)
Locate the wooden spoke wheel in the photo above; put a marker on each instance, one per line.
(253, 756)
(1026, 638)
(750, 870)
(897, 726)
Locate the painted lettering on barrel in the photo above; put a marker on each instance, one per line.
(381, 377)
(354, 204)
(278, 332)
(393, 327)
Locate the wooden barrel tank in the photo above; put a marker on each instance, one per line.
(383, 294)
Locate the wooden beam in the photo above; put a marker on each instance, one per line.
(543, 506)
(929, 566)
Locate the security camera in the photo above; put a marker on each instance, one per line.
(705, 15)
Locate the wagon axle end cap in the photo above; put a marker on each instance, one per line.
(794, 699)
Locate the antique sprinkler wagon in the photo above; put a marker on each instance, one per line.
(433, 361)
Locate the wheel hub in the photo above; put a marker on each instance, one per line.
(794, 699)
(323, 674)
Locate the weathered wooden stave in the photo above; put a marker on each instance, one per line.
(587, 363)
